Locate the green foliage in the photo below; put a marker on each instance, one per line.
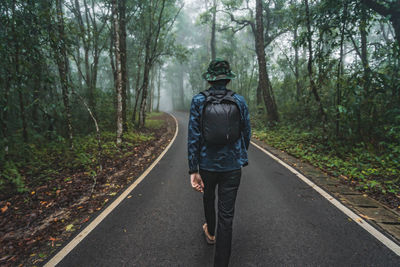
(11, 175)
(371, 169)
(154, 123)
(35, 164)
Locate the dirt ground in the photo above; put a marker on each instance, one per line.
(34, 225)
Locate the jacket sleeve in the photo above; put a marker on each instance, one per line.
(246, 125)
(194, 134)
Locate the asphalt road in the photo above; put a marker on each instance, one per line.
(279, 221)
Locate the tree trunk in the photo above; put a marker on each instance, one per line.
(309, 66)
(364, 50)
(137, 91)
(263, 82)
(118, 71)
(181, 88)
(144, 89)
(122, 43)
(36, 91)
(158, 89)
(17, 80)
(63, 68)
(340, 70)
(390, 10)
(151, 95)
(296, 66)
(213, 26)
(4, 121)
(20, 95)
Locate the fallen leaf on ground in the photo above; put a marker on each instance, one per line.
(4, 209)
(52, 239)
(69, 227)
(366, 217)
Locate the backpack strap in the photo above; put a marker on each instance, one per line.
(225, 92)
(229, 92)
(206, 93)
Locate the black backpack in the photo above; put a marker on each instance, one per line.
(220, 120)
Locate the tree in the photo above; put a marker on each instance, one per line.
(158, 20)
(388, 9)
(60, 52)
(264, 87)
(310, 65)
(118, 70)
(213, 27)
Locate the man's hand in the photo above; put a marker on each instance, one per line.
(197, 182)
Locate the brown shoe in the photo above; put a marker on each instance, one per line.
(209, 238)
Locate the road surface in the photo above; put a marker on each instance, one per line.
(279, 221)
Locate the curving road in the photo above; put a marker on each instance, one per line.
(279, 221)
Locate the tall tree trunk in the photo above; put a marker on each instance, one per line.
(20, 95)
(151, 95)
(137, 91)
(158, 89)
(388, 9)
(4, 121)
(263, 83)
(144, 88)
(36, 89)
(63, 68)
(364, 50)
(181, 88)
(122, 43)
(309, 66)
(118, 71)
(17, 80)
(296, 66)
(340, 70)
(213, 26)
(258, 95)
(296, 59)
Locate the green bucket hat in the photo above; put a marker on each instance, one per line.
(218, 69)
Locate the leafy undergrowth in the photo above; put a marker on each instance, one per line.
(35, 164)
(62, 189)
(358, 165)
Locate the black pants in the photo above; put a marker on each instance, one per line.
(228, 184)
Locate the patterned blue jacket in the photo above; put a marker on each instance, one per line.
(216, 158)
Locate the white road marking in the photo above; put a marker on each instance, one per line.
(357, 219)
(74, 242)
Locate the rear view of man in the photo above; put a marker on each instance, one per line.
(218, 139)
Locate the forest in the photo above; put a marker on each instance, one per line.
(321, 78)
(83, 82)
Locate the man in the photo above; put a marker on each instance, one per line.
(217, 150)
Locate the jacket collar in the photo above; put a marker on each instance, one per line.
(218, 87)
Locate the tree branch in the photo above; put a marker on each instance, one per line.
(377, 7)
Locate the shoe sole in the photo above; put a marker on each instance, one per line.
(208, 240)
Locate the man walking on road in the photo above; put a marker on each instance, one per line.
(218, 139)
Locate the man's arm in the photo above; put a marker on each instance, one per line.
(194, 137)
(247, 127)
